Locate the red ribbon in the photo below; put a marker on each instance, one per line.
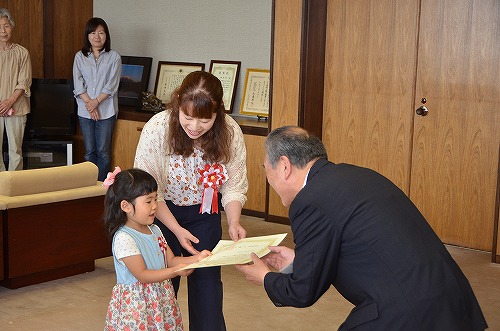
(163, 246)
(212, 177)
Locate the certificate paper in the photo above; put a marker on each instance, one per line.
(256, 93)
(228, 252)
(227, 72)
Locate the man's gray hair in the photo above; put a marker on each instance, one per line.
(4, 12)
(298, 145)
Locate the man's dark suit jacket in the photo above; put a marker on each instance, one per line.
(357, 231)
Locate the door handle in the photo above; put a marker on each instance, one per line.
(422, 111)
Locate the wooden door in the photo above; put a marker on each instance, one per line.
(455, 147)
(369, 84)
(382, 58)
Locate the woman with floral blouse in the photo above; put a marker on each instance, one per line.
(197, 154)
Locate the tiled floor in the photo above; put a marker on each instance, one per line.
(80, 302)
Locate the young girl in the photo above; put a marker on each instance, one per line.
(143, 297)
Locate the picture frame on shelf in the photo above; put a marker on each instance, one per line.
(255, 100)
(170, 75)
(134, 79)
(228, 73)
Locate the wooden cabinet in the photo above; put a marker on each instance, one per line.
(256, 195)
(125, 138)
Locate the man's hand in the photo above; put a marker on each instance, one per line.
(279, 257)
(254, 272)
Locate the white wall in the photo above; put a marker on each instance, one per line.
(191, 31)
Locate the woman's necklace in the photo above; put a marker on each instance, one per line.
(96, 55)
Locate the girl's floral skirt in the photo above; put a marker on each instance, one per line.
(143, 307)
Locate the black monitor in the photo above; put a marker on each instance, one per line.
(53, 109)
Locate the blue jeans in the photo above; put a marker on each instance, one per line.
(97, 137)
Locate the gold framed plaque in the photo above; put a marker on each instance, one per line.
(170, 75)
(227, 72)
(255, 100)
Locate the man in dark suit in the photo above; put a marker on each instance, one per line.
(354, 229)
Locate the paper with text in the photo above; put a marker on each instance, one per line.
(228, 252)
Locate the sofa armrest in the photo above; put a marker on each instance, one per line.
(34, 181)
(50, 197)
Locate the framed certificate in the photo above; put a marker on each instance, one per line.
(255, 100)
(227, 72)
(170, 75)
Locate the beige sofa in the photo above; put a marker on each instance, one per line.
(51, 223)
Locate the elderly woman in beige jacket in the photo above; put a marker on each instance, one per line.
(15, 83)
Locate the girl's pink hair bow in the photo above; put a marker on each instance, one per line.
(110, 178)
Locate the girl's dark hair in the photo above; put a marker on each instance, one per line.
(91, 26)
(200, 96)
(128, 185)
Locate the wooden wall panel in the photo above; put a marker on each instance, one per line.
(28, 30)
(52, 31)
(72, 15)
(285, 80)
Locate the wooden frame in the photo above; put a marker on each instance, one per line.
(255, 100)
(134, 80)
(170, 75)
(228, 73)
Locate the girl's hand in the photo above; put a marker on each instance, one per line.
(185, 238)
(203, 254)
(185, 272)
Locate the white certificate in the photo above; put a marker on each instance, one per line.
(228, 252)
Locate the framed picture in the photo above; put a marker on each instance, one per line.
(134, 80)
(228, 73)
(170, 75)
(255, 100)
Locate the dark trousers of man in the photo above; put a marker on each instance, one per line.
(204, 284)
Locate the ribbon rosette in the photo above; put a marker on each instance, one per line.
(163, 245)
(212, 177)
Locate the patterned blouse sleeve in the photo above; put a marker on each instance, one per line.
(152, 153)
(236, 187)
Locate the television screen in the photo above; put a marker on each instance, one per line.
(53, 109)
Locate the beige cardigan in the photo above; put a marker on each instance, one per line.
(152, 156)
